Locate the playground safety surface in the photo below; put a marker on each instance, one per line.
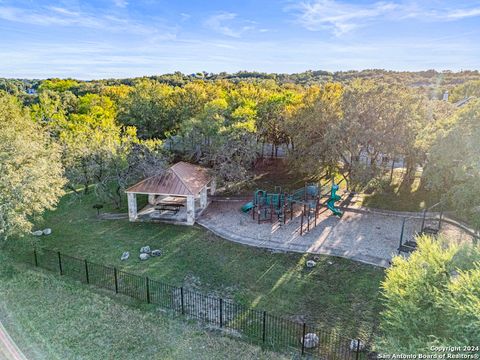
(370, 238)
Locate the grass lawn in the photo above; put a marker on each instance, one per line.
(55, 318)
(337, 293)
(269, 175)
(413, 198)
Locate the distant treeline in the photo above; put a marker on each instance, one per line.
(431, 81)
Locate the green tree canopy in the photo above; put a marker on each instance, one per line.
(151, 107)
(31, 175)
(432, 298)
(453, 167)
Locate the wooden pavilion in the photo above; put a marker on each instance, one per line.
(178, 195)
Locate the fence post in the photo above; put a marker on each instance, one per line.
(87, 278)
(221, 312)
(423, 219)
(264, 332)
(60, 262)
(116, 279)
(148, 290)
(401, 234)
(35, 257)
(358, 349)
(303, 338)
(181, 296)
(440, 220)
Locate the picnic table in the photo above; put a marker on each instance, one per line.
(170, 207)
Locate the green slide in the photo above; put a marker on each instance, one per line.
(247, 207)
(331, 202)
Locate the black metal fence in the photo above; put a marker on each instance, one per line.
(256, 326)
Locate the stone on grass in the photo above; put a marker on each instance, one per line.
(156, 252)
(125, 256)
(311, 263)
(145, 250)
(356, 344)
(144, 256)
(37, 233)
(47, 231)
(311, 340)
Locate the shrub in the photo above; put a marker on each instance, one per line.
(432, 298)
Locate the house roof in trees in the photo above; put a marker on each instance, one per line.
(181, 179)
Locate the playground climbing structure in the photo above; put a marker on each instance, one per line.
(281, 206)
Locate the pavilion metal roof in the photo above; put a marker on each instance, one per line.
(181, 179)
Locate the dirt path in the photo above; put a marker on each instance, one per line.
(8, 349)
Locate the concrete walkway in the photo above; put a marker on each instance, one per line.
(368, 237)
(8, 349)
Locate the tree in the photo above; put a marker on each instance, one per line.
(89, 138)
(151, 108)
(453, 164)
(59, 85)
(431, 298)
(31, 175)
(310, 129)
(379, 120)
(131, 160)
(273, 112)
(470, 88)
(53, 108)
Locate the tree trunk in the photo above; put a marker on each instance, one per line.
(391, 170)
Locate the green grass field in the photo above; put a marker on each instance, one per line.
(410, 198)
(338, 293)
(55, 318)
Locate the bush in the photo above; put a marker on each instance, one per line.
(432, 298)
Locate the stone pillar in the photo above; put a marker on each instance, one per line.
(190, 210)
(151, 199)
(213, 187)
(132, 206)
(203, 198)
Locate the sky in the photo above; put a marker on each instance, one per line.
(126, 38)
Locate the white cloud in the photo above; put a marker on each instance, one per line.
(227, 23)
(60, 16)
(120, 3)
(185, 16)
(463, 13)
(341, 17)
(217, 23)
(338, 17)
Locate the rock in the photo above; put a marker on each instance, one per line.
(145, 250)
(144, 256)
(125, 256)
(156, 252)
(311, 263)
(311, 340)
(356, 344)
(47, 231)
(37, 233)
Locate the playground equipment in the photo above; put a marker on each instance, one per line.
(267, 205)
(431, 225)
(331, 202)
(280, 206)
